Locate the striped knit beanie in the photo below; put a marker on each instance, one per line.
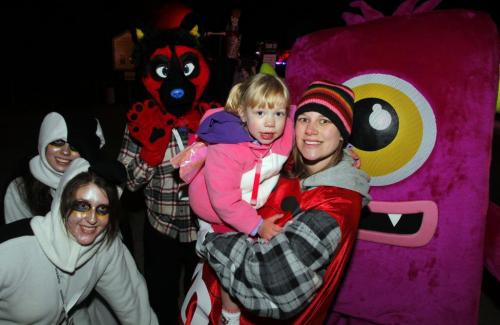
(334, 101)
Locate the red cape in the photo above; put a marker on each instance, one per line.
(343, 205)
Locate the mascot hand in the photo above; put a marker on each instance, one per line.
(149, 127)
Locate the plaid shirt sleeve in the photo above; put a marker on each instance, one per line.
(276, 279)
(165, 193)
(139, 173)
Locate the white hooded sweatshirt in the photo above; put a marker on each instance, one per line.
(53, 128)
(31, 258)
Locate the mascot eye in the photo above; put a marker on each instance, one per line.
(188, 68)
(394, 128)
(190, 65)
(162, 71)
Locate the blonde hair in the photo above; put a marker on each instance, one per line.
(260, 90)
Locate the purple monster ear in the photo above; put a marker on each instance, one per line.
(408, 7)
(368, 13)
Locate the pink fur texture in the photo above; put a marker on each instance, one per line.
(451, 59)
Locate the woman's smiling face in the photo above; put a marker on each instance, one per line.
(317, 140)
(60, 154)
(89, 215)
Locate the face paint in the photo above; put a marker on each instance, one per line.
(84, 209)
(60, 154)
(89, 216)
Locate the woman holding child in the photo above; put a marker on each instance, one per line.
(293, 276)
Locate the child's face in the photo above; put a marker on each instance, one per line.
(265, 124)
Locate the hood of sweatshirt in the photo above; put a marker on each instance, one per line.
(50, 231)
(53, 127)
(219, 126)
(343, 175)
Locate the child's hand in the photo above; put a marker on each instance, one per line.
(268, 229)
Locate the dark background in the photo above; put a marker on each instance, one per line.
(58, 53)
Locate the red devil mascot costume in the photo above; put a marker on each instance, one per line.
(175, 74)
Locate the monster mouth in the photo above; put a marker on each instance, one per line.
(410, 224)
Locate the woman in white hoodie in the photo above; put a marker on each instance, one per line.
(62, 138)
(50, 264)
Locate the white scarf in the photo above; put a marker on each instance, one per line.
(51, 233)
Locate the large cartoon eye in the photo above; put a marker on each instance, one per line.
(394, 128)
(188, 69)
(161, 71)
(190, 65)
(159, 65)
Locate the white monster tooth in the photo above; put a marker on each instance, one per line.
(394, 218)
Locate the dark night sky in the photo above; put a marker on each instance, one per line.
(61, 50)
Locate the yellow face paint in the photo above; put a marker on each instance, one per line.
(83, 209)
(89, 215)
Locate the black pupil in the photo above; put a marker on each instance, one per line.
(366, 137)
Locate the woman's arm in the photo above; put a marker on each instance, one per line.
(15, 207)
(279, 278)
(123, 286)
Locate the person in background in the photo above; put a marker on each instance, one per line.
(50, 264)
(226, 57)
(232, 42)
(246, 69)
(63, 137)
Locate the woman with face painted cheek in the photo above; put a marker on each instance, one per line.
(50, 264)
(89, 215)
(63, 137)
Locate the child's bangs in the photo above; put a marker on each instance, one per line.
(269, 99)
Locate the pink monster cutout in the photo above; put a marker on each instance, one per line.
(425, 85)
